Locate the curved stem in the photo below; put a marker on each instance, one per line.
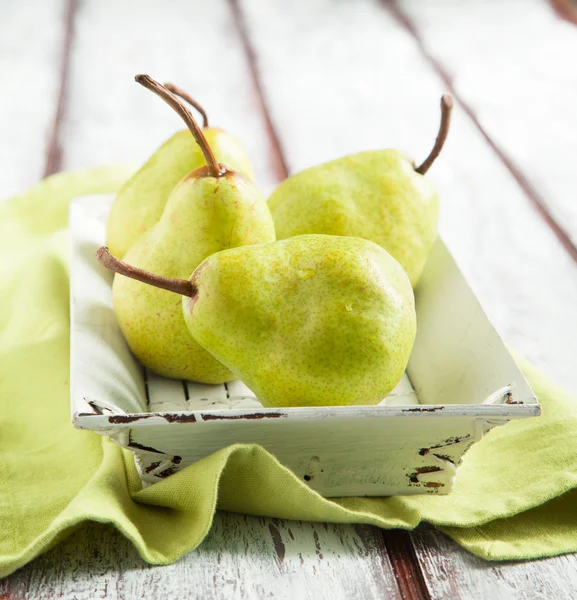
(179, 286)
(446, 108)
(214, 168)
(173, 89)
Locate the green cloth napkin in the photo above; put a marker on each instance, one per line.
(514, 497)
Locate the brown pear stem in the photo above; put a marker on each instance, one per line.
(179, 286)
(173, 89)
(446, 108)
(214, 169)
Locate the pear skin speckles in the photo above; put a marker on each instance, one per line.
(189, 230)
(314, 320)
(374, 195)
(139, 204)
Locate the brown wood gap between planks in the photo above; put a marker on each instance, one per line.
(278, 160)
(566, 9)
(400, 548)
(54, 151)
(406, 567)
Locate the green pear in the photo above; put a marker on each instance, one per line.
(139, 203)
(314, 320)
(210, 209)
(379, 196)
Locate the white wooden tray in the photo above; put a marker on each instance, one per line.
(460, 382)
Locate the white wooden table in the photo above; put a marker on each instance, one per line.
(301, 82)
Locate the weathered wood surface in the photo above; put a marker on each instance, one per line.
(243, 557)
(336, 77)
(451, 573)
(525, 102)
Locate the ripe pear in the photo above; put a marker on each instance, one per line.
(139, 203)
(210, 209)
(379, 196)
(314, 320)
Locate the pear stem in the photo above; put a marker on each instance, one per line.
(446, 108)
(179, 286)
(214, 169)
(173, 89)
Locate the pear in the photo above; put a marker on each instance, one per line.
(314, 320)
(210, 209)
(139, 203)
(377, 195)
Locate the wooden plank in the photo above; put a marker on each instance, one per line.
(242, 557)
(452, 573)
(519, 83)
(110, 118)
(31, 49)
(343, 88)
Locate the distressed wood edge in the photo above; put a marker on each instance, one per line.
(504, 412)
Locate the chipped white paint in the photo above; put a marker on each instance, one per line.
(242, 558)
(381, 450)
